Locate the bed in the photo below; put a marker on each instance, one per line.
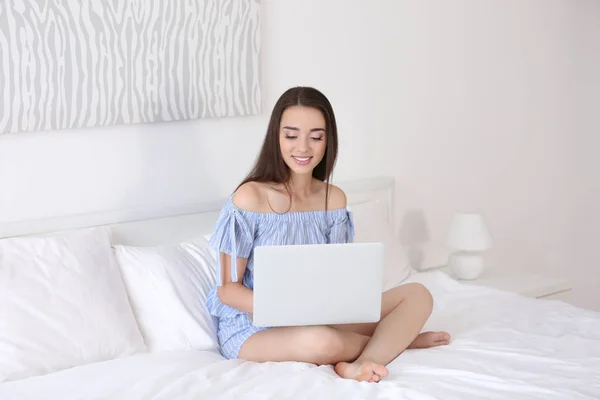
(504, 346)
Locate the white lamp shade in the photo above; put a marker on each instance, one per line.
(469, 233)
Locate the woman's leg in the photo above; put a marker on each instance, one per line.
(389, 301)
(405, 309)
(357, 355)
(312, 344)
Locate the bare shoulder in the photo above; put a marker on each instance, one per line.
(250, 197)
(337, 198)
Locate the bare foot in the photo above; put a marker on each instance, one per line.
(430, 339)
(366, 371)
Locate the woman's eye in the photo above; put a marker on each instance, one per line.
(317, 138)
(290, 137)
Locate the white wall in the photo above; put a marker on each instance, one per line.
(79, 171)
(585, 227)
(483, 105)
(469, 104)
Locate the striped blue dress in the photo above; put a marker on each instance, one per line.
(238, 232)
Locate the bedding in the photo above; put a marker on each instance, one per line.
(371, 225)
(504, 347)
(167, 287)
(62, 304)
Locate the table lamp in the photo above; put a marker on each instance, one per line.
(470, 237)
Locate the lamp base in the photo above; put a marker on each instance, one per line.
(466, 265)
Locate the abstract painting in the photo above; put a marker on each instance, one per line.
(85, 63)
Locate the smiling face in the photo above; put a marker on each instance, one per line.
(302, 138)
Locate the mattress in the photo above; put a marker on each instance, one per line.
(504, 347)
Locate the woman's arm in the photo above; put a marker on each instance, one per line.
(235, 294)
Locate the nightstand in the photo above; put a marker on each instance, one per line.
(524, 283)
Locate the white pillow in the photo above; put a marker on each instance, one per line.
(167, 287)
(62, 304)
(370, 225)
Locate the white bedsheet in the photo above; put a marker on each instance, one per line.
(504, 347)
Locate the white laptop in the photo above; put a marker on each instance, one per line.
(318, 284)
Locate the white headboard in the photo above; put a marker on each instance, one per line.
(174, 224)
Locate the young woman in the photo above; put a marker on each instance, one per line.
(286, 199)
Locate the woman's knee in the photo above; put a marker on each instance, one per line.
(421, 295)
(323, 343)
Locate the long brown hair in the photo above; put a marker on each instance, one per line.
(269, 166)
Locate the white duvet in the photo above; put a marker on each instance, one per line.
(504, 347)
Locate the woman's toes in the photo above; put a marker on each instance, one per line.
(380, 370)
(361, 371)
(443, 338)
(430, 339)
